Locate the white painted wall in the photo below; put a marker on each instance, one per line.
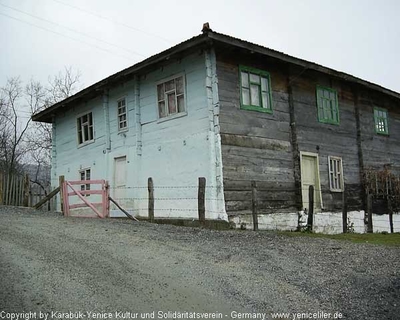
(324, 222)
(175, 152)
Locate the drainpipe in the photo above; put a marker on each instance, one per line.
(107, 149)
(138, 122)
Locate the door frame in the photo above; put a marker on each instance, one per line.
(318, 182)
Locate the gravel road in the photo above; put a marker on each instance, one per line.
(118, 268)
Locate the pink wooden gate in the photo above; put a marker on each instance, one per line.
(69, 190)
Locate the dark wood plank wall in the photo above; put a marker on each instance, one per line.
(379, 150)
(329, 139)
(258, 146)
(255, 146)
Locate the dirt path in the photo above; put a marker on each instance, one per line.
(50, 263)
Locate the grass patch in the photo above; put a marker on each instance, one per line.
(387, 239)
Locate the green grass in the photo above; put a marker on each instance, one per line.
(386, 239)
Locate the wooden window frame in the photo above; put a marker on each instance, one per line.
(120, 115)
(86, 172)
(261, 74)
(335, 174)
(333, 105)
(385, 120)
(178, 113)
(80, 128)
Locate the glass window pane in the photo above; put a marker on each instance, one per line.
(171, 103)
(161, 109)
(265, 100)
(254, 78)
(245, 79)
(264, 84)
(246, 96)
(160, 92)
(179, 85)
(170, 85)
(181, 103)
(255, 95)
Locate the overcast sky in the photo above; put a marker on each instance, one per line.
(98, 38)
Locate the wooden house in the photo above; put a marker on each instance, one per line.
(233, 112)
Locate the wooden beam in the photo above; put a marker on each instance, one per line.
(150, 188)
(122, 209)
(201, 200)
(47, 198)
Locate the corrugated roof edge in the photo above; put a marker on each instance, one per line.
(45, 115)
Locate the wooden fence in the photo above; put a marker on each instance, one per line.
(18, 190)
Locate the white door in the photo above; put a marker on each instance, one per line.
(310, 177)
(119, 179)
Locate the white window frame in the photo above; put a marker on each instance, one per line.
(336, 178)
(80, 128)
(85, 172)
(177, 113)
(119, 115)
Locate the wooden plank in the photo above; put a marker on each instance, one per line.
(123, 210)
(47, 198)
(84, 205)
(86, 192)
(369, 210)
(84, 200)
(344, 211)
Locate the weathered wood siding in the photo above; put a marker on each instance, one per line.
(379, 150)
(255, 146)
(328, 139)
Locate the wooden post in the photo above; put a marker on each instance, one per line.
(61, 180)
(369, 209)
(1, 188)
(254, 204)
(344, 211)
(26, 191)
(310, 208)
(202, 200)
(150, 188)
(390, 209)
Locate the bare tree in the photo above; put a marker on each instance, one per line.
(14, 129)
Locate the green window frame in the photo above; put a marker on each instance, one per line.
(327, 104)
(255, 89)
(381, 117)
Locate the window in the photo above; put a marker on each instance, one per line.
(122, 120)
(327, 103)
(381, 121)
(85, 175)
(171, 97)
(85, 128)
(335, 174)
(255, 90)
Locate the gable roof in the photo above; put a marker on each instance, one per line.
(206, 38)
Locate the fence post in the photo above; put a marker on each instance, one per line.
(61, 180)
(26, 191)
(344, 210)
(150, 188)
(390, 209)
(1, 188)
(202, 200)
(310, 208)
(369, 209)
(254, 204)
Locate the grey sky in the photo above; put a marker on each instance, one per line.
(358, 37)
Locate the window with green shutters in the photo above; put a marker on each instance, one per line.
(255, 90)
(381, 121)
(327, 103)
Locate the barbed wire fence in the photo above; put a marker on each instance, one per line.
(207, 201)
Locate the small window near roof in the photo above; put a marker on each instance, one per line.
(255, 90)
(171, 97)
(381, 121)
(335, 174)
(327, 104)
(122, 119)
